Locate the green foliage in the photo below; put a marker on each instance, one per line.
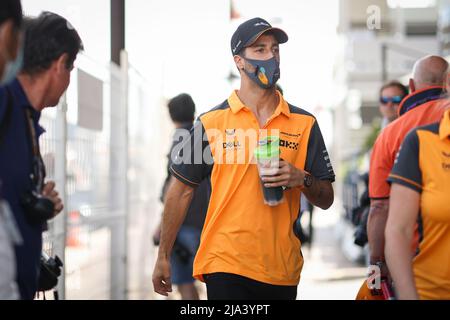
(370, 140)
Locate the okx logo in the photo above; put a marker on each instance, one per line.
(289, 144)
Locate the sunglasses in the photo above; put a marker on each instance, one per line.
(394, 99)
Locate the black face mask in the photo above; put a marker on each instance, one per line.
(267, 72)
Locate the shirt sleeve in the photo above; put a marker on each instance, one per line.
(406, 169)
(381, 162)
(318, 161)
(192, 160)
(168, 175)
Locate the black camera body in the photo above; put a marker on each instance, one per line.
(38, 209)
(361, 237)
(360, 214)
(50, 270)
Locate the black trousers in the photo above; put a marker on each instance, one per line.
(227, 286)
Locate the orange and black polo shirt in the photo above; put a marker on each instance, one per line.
(419, 108)
(423, 164)
(241, 234)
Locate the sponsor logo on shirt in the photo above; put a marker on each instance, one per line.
(232, 145)
(290, 134)
(230, 132)
(289, 144)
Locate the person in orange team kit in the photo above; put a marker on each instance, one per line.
(248, 249)
(425, 105)
(420, 190)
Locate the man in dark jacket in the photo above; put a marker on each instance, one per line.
(51, 46)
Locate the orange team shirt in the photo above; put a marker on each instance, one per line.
(423, 165)
(419, 108)
(241, 234)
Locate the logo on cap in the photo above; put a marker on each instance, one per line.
(237, 45)
(261, 24)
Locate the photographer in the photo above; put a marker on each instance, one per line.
(10, 62)
(51, 45)
(10, 24)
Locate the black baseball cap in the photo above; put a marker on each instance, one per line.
(249, 31)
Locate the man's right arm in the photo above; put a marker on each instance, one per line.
(381, 163)
(376, 225)
(177, 201)
(187, 174)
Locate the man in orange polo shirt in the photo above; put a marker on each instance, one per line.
(420, 191)
(248, 249)
(423, 106)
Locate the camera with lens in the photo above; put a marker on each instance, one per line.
(49, 273)
(38, 209)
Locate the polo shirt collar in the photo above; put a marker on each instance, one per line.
(185, 126)
(444, 127)
(420, 97)
(237, 105)
(21, 100)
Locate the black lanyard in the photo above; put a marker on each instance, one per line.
(37, 165)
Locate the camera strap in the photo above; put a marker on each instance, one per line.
(38, 167)
(32, 131)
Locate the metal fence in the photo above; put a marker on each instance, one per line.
(109, 178)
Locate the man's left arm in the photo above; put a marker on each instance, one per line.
(320, 193)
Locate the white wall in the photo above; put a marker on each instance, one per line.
(91, 18)
(181, 46)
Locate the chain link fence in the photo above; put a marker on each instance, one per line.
(109, 174)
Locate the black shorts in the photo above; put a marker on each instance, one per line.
(227, 286)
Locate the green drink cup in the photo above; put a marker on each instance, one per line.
(267, 156)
